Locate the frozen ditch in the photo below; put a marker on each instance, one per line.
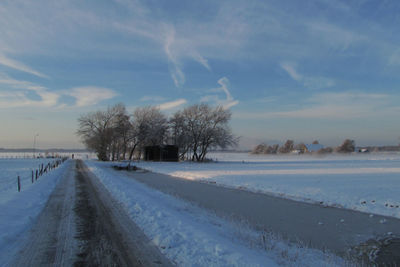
(367, 183)
(191, 236)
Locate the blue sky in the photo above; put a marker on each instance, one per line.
(302, 70)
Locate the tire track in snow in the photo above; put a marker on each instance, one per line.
(82, 225)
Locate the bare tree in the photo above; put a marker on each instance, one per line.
(201, 127)
(179, 134)
(287, 147)
(347, 146)
(325, 150)
(121, 131)
(149, 127)
(260, 149)
(273, 149)
(265, 149)
(112, 133)
(97, 130)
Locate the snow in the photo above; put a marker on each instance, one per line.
(368, 183)
(191, 236)
(13, 167)
(42, 155)
(19, 210)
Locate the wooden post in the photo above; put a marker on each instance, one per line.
(36, 174)
(19, 184)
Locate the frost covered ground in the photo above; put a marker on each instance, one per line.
(11, 168)
(191, 236)
(363, 182)
(39, 154)
(19, 210)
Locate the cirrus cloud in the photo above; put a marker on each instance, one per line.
(11, 63)
(226, 103)
(90, 95)
(172, 104)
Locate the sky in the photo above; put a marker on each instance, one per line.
(322, 70)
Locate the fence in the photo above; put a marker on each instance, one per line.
(41, 170)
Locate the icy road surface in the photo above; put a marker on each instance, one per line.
(80, 225)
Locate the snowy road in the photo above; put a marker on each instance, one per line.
(82, 225)
(98, 216)
(314, 225)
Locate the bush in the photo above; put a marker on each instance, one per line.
(348, 146)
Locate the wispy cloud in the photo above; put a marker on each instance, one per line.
(289, 67)
(175, 66)
(177, 41)
(90, 95)
(311, 82)
(11, 63)
(27, 94)
(343, 106)
(228, 102)
(172, 104)
(18, 96)
(176, 51)
(21, 99)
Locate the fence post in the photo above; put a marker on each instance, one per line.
(36, 174)
(19, 184)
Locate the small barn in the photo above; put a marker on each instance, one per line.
(161, 153)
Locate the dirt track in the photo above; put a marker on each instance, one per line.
(82, 225)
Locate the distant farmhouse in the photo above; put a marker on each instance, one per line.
(310, 148)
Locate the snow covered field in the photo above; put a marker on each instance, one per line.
(26, 155)
(363, 182)
(11, 168)
(191, 236)
(19, 210)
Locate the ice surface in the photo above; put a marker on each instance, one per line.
(368, 183)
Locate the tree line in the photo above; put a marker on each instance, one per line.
(114, 134)
(347, 146)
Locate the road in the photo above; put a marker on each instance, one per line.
(82, 225)
(342, 231)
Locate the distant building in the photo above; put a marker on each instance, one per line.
(314, 147)
(161, 153)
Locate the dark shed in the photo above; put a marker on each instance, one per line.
(161, 153)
